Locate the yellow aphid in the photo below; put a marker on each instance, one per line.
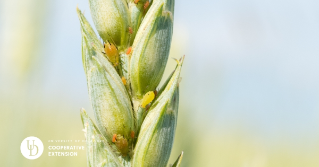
(124, 80)
(148, 97)
(112, 53)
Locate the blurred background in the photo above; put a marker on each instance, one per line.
(249, 95)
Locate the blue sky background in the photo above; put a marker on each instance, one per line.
(251, 66)
(248, 63)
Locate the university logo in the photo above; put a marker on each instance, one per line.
(31, 147)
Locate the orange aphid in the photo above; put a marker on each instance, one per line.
(124, 80)
(147, 3)
(136, 1)
(132, 134)
(114, 138)
(129, 50)
(155, 93)
(112, 53)
(130, 30)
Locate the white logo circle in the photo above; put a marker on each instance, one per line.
(31, 147)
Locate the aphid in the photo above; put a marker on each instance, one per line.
(114, 138)
(124, 80)
(129, 50)
(130, 30)
(122, 144)
(132, 134)
(112, 53)
(148, 97)
(147, 3)
(136, 1)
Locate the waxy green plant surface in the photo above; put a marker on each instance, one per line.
(135, 117)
